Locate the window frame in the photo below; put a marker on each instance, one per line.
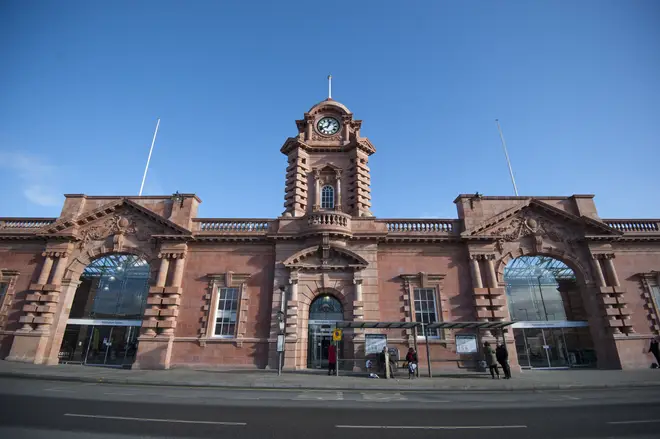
(216, 309)
(216, 283)
(424, 280)
(8, 281)
(332, 191)
(651, 282)
(436, 311)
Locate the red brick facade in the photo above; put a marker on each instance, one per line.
(369, 264)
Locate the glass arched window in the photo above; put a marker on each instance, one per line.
(534, 286)
(112, 287)
(327, 197)
(326, 308)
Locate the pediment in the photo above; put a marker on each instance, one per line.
(121, 217)
(536, 218)
(326, 258)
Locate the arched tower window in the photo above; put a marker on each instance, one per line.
(327, 197)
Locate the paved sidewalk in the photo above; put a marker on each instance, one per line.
(265, 379)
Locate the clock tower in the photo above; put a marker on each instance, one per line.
(327, 163)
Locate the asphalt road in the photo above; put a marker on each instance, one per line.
(43, 409)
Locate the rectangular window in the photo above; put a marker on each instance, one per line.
(655, 292)
(3, 292)
(426, 310)
(225, 313)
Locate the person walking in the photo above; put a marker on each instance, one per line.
(411, 359)
(491, 361)
(502, 356)
(332, 359)
(655, 350)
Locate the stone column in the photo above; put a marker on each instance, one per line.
(162, 272)
(611, 271)
(358, 305)
(45, 270)
(317, 190)
(491, 273)
(59, 269)
(600, 279)
(338, 200)
(171, 309)
(178, 271)
(476, 272)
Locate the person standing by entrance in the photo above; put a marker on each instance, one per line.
(655, 350)
(332, 359)
(491, 361)
(411, 359)
(503, 358)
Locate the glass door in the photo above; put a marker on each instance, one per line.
(556, 348)
(521, 348)
(536, 348)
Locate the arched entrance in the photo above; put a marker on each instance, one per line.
(324, 312)
(551, 329)
(106, 314)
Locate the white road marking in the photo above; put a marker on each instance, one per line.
(322, 396)
(59, 390)
(180, 421)
(574, 398)
(383, 397)
(119, 393)
(440, 427)
(644, 421)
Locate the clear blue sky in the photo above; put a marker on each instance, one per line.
(574, 84)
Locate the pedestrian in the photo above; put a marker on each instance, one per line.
(491, 361)
(332, 359)
(655, 350)
(502, 356)
(411, 359)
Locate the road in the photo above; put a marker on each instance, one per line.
(51, 409)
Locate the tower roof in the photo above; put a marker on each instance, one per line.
(330, 103)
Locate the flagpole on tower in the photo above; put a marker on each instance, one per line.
(329, 86)
(144, 177)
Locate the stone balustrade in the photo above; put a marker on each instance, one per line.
(25, 223)
(634, 226)
(329, 222)
(422, 226)
(231, 225)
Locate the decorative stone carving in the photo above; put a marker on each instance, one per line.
(536, 226)
(318, 137)
(119, 226)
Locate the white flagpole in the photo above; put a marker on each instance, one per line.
(329, 86)
(146, 168)
(506, 154)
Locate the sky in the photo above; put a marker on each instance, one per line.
(575, 86)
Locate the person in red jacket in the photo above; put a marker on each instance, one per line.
(332, 359)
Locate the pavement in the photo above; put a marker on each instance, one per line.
(265, 379)
(33, 409)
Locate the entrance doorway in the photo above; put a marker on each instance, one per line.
(100, 345)
(544, 299)
(106, 313)
(324, 313)
(553, 347)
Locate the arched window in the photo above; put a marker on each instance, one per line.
(326, 307)
(112, 287)
(534, 286)
(327, 197)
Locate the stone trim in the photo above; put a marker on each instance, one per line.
(8, 278)
(649, 280)
(228, 279)
(422, 280)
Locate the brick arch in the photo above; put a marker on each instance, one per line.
(581, 272)
(78, 264)
(305, 299)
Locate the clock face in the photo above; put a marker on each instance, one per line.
(328, 126)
